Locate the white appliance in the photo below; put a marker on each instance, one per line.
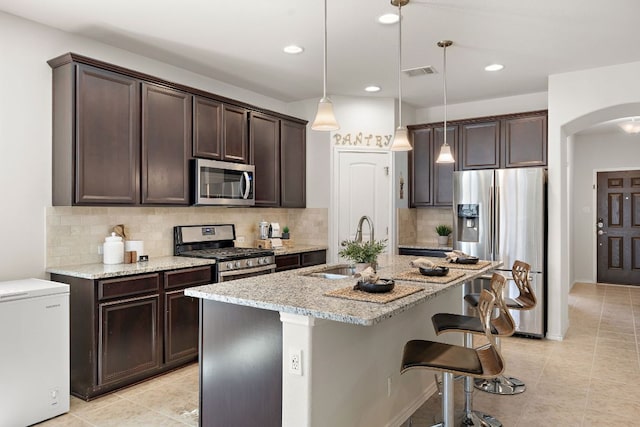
(34, 360)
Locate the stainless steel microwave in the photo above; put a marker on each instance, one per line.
(223, 183)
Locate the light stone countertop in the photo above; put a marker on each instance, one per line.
(293, 292)
(427, 244)
(103, 271)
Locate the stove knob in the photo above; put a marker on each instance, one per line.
(237, 264)
(250, 263)
(229, 265)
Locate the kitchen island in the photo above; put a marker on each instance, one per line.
(275, 350)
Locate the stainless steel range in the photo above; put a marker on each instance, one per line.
(217, 242)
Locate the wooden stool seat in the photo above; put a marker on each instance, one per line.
(482, 362)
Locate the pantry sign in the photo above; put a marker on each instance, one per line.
(362, 139)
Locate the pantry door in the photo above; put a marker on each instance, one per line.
(363, 188)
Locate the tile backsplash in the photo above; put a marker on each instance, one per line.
(75, 233)
(418, 225)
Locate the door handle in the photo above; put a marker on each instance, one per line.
(601, 232)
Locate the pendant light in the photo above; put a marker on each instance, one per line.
(445, 149)
(325, 119)
(400, 138)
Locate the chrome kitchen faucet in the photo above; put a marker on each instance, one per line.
(358, 237)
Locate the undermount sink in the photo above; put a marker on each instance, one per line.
(334, 273)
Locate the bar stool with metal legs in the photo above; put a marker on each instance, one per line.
(502, 325)
(481, 362)
(526, 300)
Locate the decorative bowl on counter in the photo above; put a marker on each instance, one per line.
(435, 271)
(382, 285)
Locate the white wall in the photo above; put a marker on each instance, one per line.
(487, 107)
(577, 100)
(25, 129)
(622, 152)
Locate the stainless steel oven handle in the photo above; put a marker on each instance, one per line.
(270, 268)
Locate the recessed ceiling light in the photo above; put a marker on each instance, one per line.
(372, 88)
(494, 67)
(293, 49)
(388, 18)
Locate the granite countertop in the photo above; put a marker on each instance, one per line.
(103, 271)
(427, 244)
(293, 292)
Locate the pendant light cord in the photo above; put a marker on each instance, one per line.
(399, 63)
(324, 77)
(444, 79)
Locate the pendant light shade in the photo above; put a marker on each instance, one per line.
(325, 119)
(400, 138)
(445, 155)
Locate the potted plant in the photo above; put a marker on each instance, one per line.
(363, 254)
(285, 232)
(443, 232)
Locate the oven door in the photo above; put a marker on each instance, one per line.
(226, 276)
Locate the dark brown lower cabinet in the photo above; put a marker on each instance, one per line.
(118, 333)
(129, 339)
(299, 260)
(181, 327)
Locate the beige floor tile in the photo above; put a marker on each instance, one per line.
(125, 413)
(173, 402)
(79, 406)
(66, 420)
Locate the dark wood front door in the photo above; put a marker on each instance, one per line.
(618, 227)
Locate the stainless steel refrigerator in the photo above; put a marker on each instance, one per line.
(501, 215)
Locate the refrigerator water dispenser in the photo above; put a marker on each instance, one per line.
(468, 223)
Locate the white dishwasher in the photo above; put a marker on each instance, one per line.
(34, 351)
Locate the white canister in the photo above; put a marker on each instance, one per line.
(113, 250)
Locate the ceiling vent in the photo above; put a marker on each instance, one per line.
(420, 71)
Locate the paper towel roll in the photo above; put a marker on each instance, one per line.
(135, 245)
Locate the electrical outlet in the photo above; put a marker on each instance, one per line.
(295, 362)
(240, 239)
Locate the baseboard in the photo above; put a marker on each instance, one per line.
(413, 406)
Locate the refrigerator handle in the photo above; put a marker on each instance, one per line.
(496, 243)
(491, 219)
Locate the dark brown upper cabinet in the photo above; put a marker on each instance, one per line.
(443, 172)
(293, 158)
(219, 131)
(525, 141)
(431, 183)
(420, 166)
(207, 128)
(264, 137)
(96, 137)
(509, 141)
(122, 137)
(235, 143)
(278, 151)
(166, 145)
(480, 145)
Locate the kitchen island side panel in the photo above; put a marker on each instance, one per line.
(240, 365)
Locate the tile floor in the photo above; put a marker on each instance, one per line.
(592, 378)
